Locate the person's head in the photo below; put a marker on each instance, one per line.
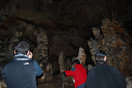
(101, 55)
(22, 48)
(76, 62)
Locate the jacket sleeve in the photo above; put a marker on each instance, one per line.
(69, 72)
(38, 69)
(3, 71)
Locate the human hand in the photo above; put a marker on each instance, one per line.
(62, 70)
(30, 55)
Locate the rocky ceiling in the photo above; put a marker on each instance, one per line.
(67, 23)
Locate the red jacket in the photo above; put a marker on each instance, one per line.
(79, 74)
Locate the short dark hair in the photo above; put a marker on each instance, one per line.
(76, 62)
(22, 47)
(100, 55)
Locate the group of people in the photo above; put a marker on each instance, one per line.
(100, 76)
(21, 72)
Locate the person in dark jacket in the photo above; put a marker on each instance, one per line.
(79, 74)
(21, 72)
(103, 75)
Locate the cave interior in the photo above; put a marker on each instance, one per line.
(57, 29)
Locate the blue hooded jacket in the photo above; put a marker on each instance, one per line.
(21, 72)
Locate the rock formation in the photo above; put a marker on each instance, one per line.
(115, 41)
(82, 56)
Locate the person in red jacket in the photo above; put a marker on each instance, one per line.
(79, 74)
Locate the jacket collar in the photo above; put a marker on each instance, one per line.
(99, 62)
(18, 55)
(78, 65)
(21, 57)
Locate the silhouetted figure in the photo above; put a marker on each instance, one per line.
(103, 75)
(79, 74)
(21, 72)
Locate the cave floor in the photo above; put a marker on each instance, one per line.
(56, 82)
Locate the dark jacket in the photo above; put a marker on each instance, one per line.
(21, 72)
(79, 74)
(105, 76)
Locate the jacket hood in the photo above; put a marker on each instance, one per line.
(78, 65)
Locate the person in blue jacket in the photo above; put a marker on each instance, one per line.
(103, 75)
(21, 72)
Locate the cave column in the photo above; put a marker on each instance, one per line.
(42, 46)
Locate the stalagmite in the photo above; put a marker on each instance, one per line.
(93, 48)
(82, 56)
(61, 61)
(3, 84)
(42, 46)
(129, 82)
